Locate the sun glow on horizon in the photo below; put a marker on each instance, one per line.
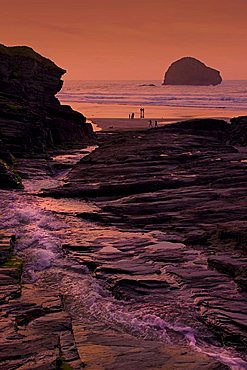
(130, 39)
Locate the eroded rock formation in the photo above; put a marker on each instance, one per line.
(176, 198)
(188, 181)
(190, 71)
(32, 119)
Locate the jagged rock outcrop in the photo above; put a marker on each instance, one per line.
(32, 119)
(238, 131)
(190, 71)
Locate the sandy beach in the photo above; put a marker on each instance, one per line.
(123, 124)
(115, 117)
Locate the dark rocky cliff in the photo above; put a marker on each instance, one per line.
(190, 71)
(32, 119)
(238, 131)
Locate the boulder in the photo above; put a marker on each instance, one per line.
(190, 71)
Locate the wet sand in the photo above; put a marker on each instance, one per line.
(168, 113)
(123, 124)
(115, 117)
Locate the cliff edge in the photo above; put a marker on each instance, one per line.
(32, 120)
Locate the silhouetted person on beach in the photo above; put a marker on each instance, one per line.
(141, 112)
(132, 115)
(156, 124)
(150, 123)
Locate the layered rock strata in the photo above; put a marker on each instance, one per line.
(186, 180)
(36, 331)
(39, 334)
(32, 119)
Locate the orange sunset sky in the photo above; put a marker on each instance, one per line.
(129, 39)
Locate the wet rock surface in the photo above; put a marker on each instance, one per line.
(39, 333)
(187, 181)
(149, 273)
(116, 350)
(190, 71)
(36, 332)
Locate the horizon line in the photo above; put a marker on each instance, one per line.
(79, 79)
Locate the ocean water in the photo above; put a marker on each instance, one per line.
(118, 98)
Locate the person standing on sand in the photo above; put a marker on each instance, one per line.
(133, 115)
(156, 124)
(150, 123)
(141, 112)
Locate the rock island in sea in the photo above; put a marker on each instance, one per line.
(191, 71)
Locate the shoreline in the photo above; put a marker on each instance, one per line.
(95, 111)
(115, 117)
(123, 124)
